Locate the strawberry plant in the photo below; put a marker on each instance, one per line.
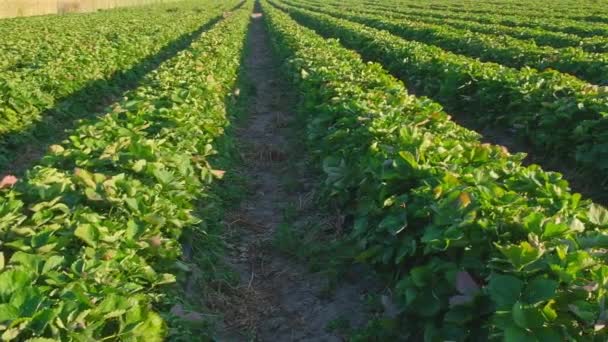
(505, 50)
(560, 116)
(479, 246)
(90, 237)
(469, 21)
(579, 25)
(56, 69)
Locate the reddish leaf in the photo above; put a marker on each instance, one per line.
(218, 173)
(460, 300)
(465, 284)
(8, 181)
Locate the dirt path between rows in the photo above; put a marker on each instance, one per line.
(280, 299)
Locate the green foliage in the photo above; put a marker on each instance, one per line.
(561, 117)
(54, 69)
(493, 20)
(90, 236)
(567, 22)
(508, 51)
(480, 246)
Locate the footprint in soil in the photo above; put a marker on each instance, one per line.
(278, 298)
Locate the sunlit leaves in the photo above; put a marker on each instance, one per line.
(91, 236)
(479, 245)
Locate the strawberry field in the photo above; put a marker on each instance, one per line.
(185, 171)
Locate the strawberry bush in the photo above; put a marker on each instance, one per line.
(90, 244)
(505, 50)
(559, 116)
(54, 69)
(478, 246)
(488, 23)
(582, 25)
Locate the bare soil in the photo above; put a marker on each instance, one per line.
(278, 298)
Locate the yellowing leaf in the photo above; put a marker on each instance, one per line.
(56, 149)
(464, 199)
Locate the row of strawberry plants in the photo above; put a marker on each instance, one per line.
(566, 10)
(592, 67)
(594, 17)
(539, 36)
(573, 13)
(557, 114)
(29, 44)
(491, 24)
(90, 237)
(503, 6)
(584, 29)
(49, 59)
(479, 246)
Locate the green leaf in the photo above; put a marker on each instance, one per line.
(132, 203)
(597, 214)
(28, 300)
(133, 230)
(576, 225)
(517, 334)
(52, 263)
(519, 315)
(584, 310)
(426, 304)
(552, 230)
(13, 280)
(549, 311)
(163, 176)
(92, 195)
(31, 262)
(154, 219)
(409, 159)
(504, 290)
(12, 333)
(520, 255)
(526, 316)
(85, 177)
(422, 276)
(394, 223)
(41, 319)
(87, 233)
(8, 312)
(533, 223)
(166, 278)
(540, 289)
(545, 334)
(112, 303)
(153, 329)
(139, 165)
